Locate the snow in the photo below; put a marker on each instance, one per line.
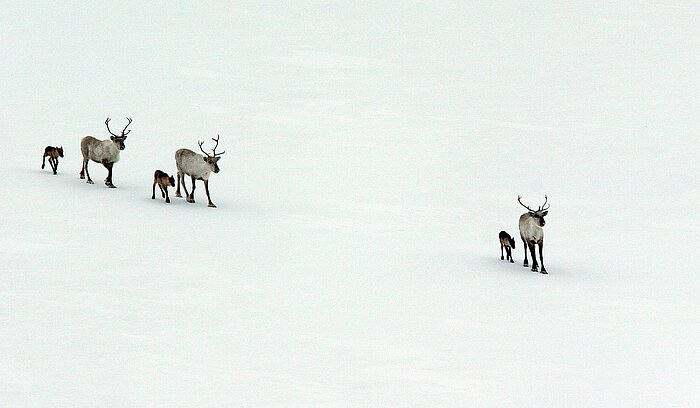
(373, 153)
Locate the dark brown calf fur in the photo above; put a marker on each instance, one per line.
(162, 179)
(53, 153)
(508, 243)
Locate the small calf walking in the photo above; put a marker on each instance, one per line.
(162, 179)
(53, 153)
(508, 243)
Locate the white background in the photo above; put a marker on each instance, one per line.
(373, 153)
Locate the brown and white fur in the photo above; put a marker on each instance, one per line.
(532, 234)
(508, 243)
(53, 153)
(162, 179)
(197, 167)
(105, 152)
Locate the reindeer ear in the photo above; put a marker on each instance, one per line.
(544, 213)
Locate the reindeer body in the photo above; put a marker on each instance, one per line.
(105, 152)
(531, 233)
(508, 243)
(162, 179)
(193, 164)
(53, 153)
(99, 151)
(197, 167)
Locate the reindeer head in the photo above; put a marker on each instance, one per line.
(171, 180)
(60, 151)
(212, 159)
(538, 214)
(119, 139)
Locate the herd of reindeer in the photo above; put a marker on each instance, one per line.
(198, 167)
(106, 152)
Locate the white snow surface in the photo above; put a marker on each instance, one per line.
(373, 153)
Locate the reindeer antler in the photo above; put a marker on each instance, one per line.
(200, 143)
(107, 123)
(127, 125)
(521, 203)
(123, 131)
(214, 153)
(215, 146)
(545, 203)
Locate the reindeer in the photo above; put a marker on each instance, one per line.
(197, 167)
(508, 243)
(103, 151)
(53, 153)
(531, 232)
(162, 179)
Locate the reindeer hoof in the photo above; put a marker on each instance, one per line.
(511, 261)
(90, 182)
(544, 272)
(211, 205)
(534, 270)
(167, 200)
(178, 195)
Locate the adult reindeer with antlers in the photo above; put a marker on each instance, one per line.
(531, 232)
(103, 151)
(197, 167)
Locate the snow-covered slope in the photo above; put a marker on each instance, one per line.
(373, 153)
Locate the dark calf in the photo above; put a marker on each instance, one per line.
(162, 179)
(53, 153)
(508, 243)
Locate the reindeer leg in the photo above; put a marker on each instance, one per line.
(525, 262)
(184, 186)
(54, 165)
(43, 162)
(167, 198)
(543, 270)
(108, 180)
(153, 193)
(501, 252)
(111, 165)
(177, 190)
(87, 173)
(206, 188)
(509, 252)
(190, 198)
(531, 245)
(162, 192)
